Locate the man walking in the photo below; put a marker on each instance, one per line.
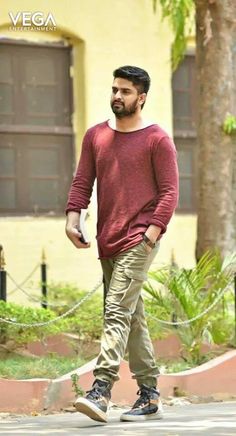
(134, 163)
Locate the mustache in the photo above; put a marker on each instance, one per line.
(117, 101)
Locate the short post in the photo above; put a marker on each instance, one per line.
(44, 280)
(174, 320)
(3, 276)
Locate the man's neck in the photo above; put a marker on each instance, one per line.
(128, 124)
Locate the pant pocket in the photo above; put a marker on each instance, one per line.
(131, 295)
(136, 275)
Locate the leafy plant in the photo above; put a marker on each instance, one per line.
(75, 385)
(87, 321)
(188, 293)
(63, 295)
(180, 13)
(19, 335)
(156, 329)
(229, 125)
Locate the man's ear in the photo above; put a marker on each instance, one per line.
(142, 98)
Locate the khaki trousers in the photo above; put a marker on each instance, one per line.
(125, 327)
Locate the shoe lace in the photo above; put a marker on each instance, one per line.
(145, 396)
(96, 391)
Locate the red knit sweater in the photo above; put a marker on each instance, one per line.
(137, 183)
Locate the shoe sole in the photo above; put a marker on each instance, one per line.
(133, 418)
(87, 408)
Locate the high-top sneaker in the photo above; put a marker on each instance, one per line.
(148, 406)
(95, 403)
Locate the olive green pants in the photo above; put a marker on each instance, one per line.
(125, 327)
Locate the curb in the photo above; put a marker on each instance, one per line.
(218, 376)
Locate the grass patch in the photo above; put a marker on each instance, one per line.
(22, 368)
(19, 367)
(166, 366)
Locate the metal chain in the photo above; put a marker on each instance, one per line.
(32, 298)
(51, 321)
(24, 281)
(97, 286)
(200, 315)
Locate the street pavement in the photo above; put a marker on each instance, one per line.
(189, 420)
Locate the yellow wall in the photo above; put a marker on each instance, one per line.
(24, 238)
(110, 33)
(105, 34)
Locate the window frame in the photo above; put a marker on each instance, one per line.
(186, 138)
(60, 133)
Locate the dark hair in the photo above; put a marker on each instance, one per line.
(136, 75)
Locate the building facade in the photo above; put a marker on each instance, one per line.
(56, 63)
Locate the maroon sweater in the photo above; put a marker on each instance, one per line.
(137, 183)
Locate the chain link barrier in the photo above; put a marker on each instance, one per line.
(51, 321)
(97, 286)
(24, 281)
(195, 318)
(33, 298)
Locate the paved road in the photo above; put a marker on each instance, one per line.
(218, 419)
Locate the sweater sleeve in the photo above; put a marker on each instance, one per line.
(82, 184)
(166, 174)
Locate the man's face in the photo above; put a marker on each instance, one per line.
(125, 99)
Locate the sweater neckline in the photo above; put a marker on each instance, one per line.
(131, 131)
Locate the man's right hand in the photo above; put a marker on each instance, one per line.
(72, 230)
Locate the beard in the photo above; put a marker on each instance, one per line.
(121, 111)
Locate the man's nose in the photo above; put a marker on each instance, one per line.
(117, 95)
